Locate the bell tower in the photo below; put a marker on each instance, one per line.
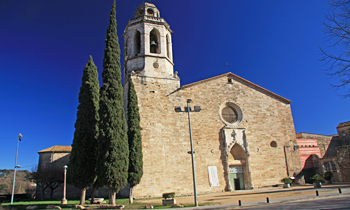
(148, 45)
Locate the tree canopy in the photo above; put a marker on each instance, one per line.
(82, 161)
(337, 55)
(135, 143)
(113, 149)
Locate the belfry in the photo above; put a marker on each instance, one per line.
(147, 44)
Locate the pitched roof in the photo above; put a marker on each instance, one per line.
(301, 135)
(344, 124)
(238, 78)
(57, 148)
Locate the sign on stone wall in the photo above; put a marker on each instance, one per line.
(236, 170)
(213, 176)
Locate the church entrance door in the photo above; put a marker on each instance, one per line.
(237, 177)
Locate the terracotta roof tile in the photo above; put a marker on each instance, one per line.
(57, 148)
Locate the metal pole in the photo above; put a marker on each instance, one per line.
(193, 168)
(14, 175)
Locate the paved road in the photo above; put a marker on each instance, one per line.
(327, 199)
(342, 202)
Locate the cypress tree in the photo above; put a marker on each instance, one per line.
(82, 161)
(135, 143)
(113, 154)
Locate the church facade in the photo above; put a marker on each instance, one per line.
(243, 135)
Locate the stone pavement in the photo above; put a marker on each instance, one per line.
(258, 197)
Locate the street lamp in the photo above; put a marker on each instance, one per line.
(16, 166)
(196, 109)
(64, 200)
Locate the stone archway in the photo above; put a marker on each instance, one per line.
(236, 159)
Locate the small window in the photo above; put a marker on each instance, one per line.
(229, 80)
(273, 144)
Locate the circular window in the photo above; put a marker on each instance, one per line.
(150, 11)
(230, 114)
(273, 144)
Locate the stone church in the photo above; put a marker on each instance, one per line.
(243, 135)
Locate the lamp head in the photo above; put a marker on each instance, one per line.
(189, 101)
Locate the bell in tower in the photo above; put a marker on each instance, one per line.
(147, 44)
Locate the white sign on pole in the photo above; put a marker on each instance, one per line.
(213, 176)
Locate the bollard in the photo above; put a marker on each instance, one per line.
(239, 203)
(267, 200)
(316, 193)
(339, 190)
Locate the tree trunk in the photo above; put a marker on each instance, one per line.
(51, 193)
(131, 195)
(93, 194)
(112, 197)
(82, 196)
(42, 193)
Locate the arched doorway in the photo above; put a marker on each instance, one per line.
(236, 161)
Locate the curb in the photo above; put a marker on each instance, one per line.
(253, 204)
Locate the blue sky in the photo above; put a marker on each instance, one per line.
(45, 45)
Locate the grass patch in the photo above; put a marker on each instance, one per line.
(71, 204)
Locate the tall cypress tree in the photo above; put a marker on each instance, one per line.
(82, 161)
(113, 154)
(135, 143)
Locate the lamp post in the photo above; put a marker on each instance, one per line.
(187, 109)
(193, 168)
(64, 200)
(16, 166)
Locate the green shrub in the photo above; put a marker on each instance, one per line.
(286, 180)
(169, 195)
(317, 178)
(328, 175)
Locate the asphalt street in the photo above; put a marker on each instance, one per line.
(327, 198)
(342, 202)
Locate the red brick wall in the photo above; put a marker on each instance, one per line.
(308, 147)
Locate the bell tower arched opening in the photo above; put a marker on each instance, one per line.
(154, 41)
(167, 46)
(137, 43)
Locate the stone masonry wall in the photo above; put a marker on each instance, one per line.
(166, 140)
(326, 143)
(343, 157)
